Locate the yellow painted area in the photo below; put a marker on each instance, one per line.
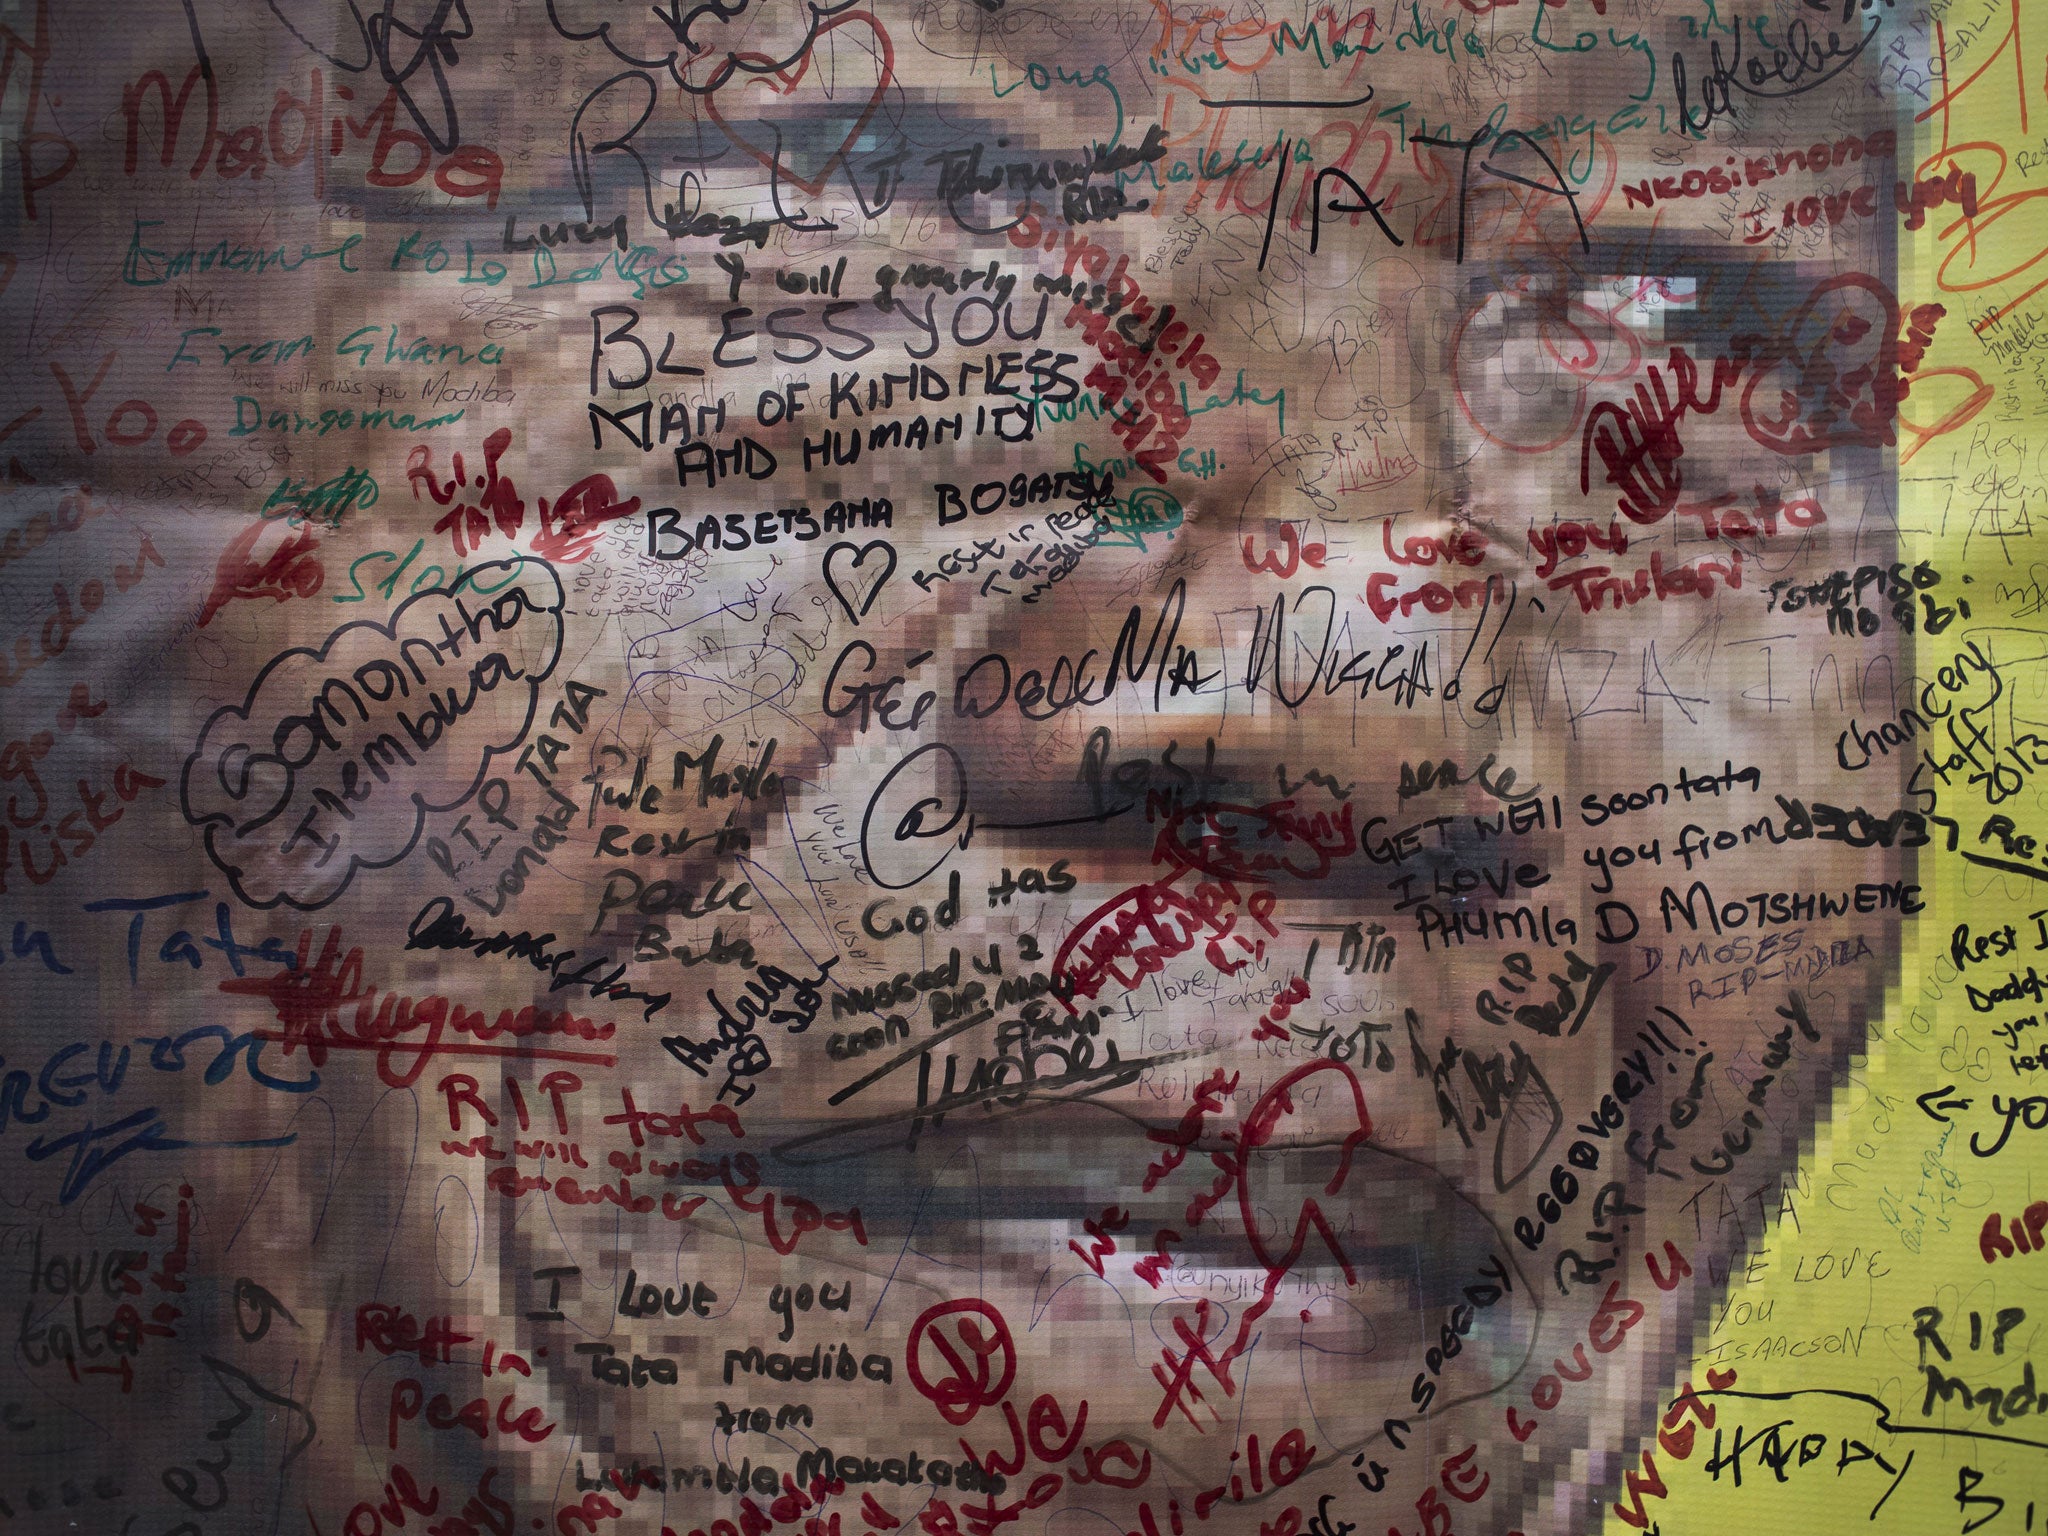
(1885, 1219)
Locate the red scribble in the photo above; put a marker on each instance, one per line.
(289, 571)
(402, 1491)
(1374, 473)
(1461, 1480)
(1317, 840)
(467, 523)
(1289, 1459)
(1720, 519)
(310, 1001)
(55, 632)
(1612, 1319)
(1101, 1245)
(398, 156)
(1568, 540)
(513, 1184)
(1593, 585)
(1837, 379)
(1638, 441)
(1284, 563)
(1259, 1128)
(1105, 938)
(1208, 1098)
(1129, 368)
(571, 528)
(80, 828)
(72, 509)
(34, 177)
(1464, 546)
(641, 1123)
(568, 531)
(1205, 39)
(982, 1363)
(1296, 991)
(1676, 1436)
(1433, 1512)
(1176, 1372)
(1118, 921)
(408, 1396)
(391, 1330)
(585, 1514)
(804, 1215)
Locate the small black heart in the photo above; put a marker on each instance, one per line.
(852, 588)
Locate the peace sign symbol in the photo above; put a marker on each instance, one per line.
(975, 1350)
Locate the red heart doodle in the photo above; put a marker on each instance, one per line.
(784, 82)
(1835, 376)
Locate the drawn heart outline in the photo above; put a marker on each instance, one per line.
(850, 588)
(789, 82)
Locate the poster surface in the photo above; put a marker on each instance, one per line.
(1050, 766)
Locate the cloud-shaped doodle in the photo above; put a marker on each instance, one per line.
(334, 759)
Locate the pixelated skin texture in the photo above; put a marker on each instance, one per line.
(775, 767)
